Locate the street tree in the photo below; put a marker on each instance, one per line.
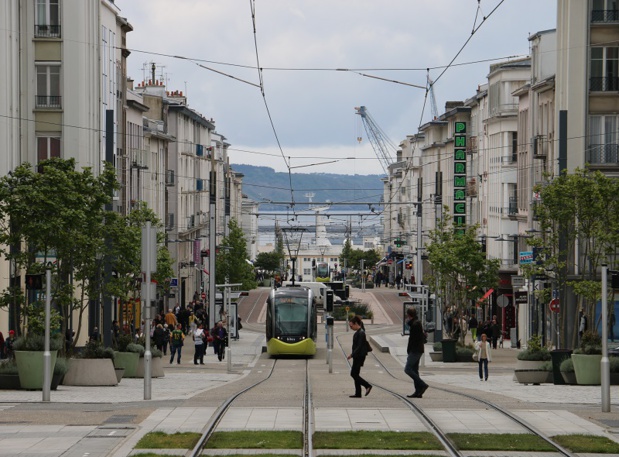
(52, 217)
(269, 261)
(460, 271)
(578, 217)
(232, 265)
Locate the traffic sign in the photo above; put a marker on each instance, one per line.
(554, 305)
(347, 308)
(203, 295)
(502, 301)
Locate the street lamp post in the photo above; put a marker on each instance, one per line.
(292, 238)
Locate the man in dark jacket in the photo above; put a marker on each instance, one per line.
(414, 349)
(358, 355)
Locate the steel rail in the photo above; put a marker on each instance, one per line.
(210, 426)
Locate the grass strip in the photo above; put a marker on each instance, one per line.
(161, 440)
(587, 443)
(404, 441)
(256, 439)
(525, 442)
(150, 454)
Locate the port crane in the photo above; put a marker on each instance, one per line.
(380, 143)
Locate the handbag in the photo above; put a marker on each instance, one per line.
(368, 346)
(475, 357)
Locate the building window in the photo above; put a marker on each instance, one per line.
(604, 69)
(48, 147)
(603, 144)
(48, 86)
(47, 19)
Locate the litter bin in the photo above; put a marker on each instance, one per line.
(558, 356)
(449, 350)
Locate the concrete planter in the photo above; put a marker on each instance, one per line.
(9, 382)
(90, 372)
(534, 377)
(156, 367)
(587, 369)
(436, 356)
(129, 361)
(569, 377)
(119, 373)
(30, 368)
(529, 364)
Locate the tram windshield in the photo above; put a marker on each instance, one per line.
(291, 316)
(322, 270)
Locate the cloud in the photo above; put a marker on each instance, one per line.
(313, 109)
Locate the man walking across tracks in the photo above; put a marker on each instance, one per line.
(414, 349)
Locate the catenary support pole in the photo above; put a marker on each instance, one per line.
(47, 355)
(605, 363)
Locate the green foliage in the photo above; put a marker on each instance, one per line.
(123, 341)
(36, 342)
(534, 351)
(35, 318)
(8, 367)
(546, 366)
(589, 444)
(136, 348)
(269, 261)
(614, 364)
(460, 270)
(231, 262)
(55, 211)
(156, 352)
(161, 440)
(437, 346)
(464, 351)
(370, 257)
(96, 350)
(346, 255)
(590, 343)
(567, 366)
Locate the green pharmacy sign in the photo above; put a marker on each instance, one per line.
(459, 208)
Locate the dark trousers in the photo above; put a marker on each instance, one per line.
(483, 364)
(220, 348)
(412, 369)
(198, 356)
(174, 350)
(494, 341)
(355, 373)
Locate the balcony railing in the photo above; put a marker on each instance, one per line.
(603, 84)
(49, 101)
(600, 154)
(47, 31)
(512, 210)
(604, 15)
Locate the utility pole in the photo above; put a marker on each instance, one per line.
(212, 235)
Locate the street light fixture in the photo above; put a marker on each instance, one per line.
(292, 238)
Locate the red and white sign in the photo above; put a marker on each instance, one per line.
(203, 295)
(554, 305)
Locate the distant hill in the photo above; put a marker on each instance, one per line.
(265, 184)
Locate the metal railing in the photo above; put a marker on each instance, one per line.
(47, 31)
(600, 154)
(49, 101)
(604, 15)
(603, 84)
(512, 209)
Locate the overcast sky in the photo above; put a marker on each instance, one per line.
(311, 105)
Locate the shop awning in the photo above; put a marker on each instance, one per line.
(486, 295)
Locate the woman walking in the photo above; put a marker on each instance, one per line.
(358, 355)
(483, 356)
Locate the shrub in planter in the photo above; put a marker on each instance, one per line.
(567, 371)
(9, 377)
(29, 354)
(464, 353)
(437, 347)
(614, 370)
(534, 351)
(96, 350)
(590, 344)
(587, 359)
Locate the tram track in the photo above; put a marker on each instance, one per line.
(441, 435)
(307, 426)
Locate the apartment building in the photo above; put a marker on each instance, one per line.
(62, 85)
